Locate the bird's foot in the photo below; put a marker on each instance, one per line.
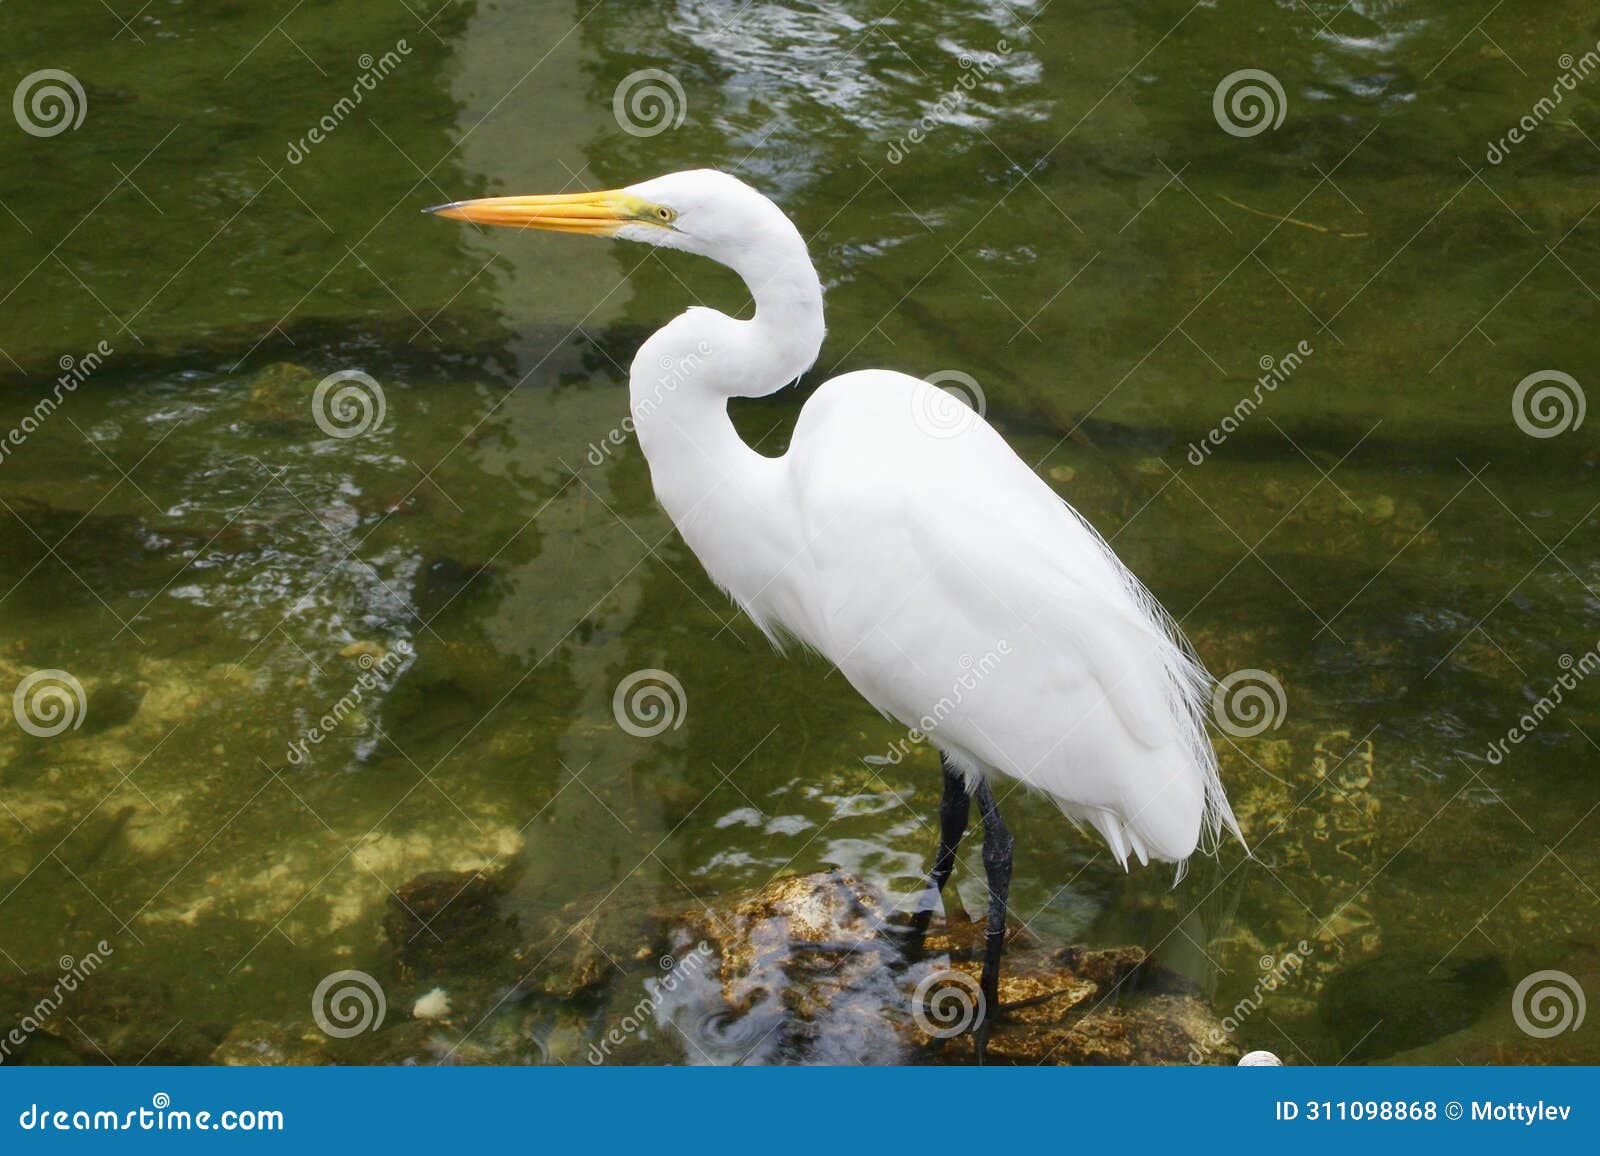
(998, 1012)
(981, 1039)
(916, 931)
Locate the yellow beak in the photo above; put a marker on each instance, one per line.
(597, 214)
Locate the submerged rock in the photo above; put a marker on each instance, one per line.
(1541, 1020)
(103, 1018)
(365, 651)
(281, 393)
(258, 1043)
(112, 704)
(582, 948)
(1083, 1006)
(808, 970)
(817, 969)
(444, 923)
(1403, 1000)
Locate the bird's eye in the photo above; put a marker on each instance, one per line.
(665, 215)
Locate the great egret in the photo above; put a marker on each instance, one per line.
(900, 537)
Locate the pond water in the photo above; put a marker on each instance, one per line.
(1278, 368)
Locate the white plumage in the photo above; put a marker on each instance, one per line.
(901, 538)
(943, 551)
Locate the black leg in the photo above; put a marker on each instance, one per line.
(997, 856)
(954, 808)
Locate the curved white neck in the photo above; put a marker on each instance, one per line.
(685, 373)
(702, 471)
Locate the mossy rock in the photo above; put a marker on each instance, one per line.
(281, 393)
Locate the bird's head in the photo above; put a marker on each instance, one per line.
(699, 211)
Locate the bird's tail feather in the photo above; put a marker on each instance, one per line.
(1191, 687)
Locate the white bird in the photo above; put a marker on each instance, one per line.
(903, 540)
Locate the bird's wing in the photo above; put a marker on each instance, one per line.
(958, 525)
(936, 551)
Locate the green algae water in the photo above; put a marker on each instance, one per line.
(1296, 303)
